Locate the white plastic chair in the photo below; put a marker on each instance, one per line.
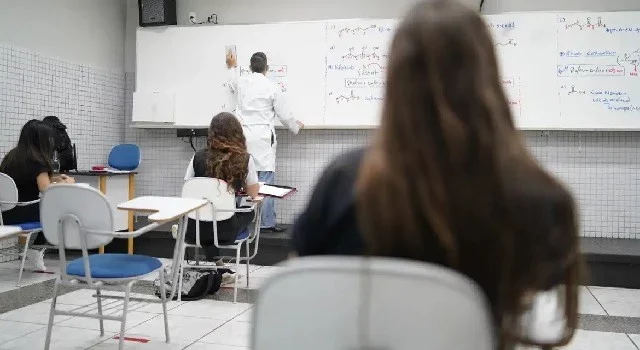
(323, 303)
(8, 201)
(222, 206)
(80, 217)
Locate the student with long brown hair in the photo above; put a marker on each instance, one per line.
(225, 158)
(448, 179)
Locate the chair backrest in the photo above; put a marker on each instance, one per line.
(8, 193)
(86, 203)
(215, 191)
(125, 157)
(370, 303)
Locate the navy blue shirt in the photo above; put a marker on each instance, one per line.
(329, 223)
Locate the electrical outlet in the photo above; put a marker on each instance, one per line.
(192, 17)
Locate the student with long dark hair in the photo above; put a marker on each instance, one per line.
(29, 165)
(448, 179)
(225, 158)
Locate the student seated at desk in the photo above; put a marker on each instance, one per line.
(448, 180)
(29, 165)
(225, 158)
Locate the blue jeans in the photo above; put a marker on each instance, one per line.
(268, 205)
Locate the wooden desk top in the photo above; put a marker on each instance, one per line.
(163, 208)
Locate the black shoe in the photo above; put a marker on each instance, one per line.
(274, 229)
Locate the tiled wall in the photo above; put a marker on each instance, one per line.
(89, 100)
(600, 168)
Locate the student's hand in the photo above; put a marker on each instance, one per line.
(300, 124)
(232, 61)
(68, 179)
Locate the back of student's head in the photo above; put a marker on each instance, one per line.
(35, 143)
(448, 165)
(258, 62)
(227, 150)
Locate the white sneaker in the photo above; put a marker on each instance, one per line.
(36, 257)
(229, 278)
(174, 231)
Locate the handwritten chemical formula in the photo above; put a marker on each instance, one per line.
(587, 23)
(356, 68)
(360, 30)
(509, 42)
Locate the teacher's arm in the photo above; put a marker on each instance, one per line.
(281, 108)
(232, 65)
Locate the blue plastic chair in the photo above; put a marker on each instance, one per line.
(125, 157)
(8, 201)
(84, 223)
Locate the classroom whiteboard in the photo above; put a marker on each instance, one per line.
(573, 71)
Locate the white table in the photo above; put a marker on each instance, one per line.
(164, 209)
(8, 231)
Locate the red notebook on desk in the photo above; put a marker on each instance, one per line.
(276, 191)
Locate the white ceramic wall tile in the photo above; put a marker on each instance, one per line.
(89, 100)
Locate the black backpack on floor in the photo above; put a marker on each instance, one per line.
(196, 284)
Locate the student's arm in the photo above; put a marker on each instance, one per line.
(252, 190)
(190, 174)
(252, 186)
(44, 181)
(283, 113)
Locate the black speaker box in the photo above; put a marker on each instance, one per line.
(157, 13)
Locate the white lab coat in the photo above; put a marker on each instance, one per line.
(259, 102)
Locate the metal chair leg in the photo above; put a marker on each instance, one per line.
(24, 258)
(99, 298)
(52, 311)
(163, 296)
(125, 309)
(247, 264)
(180, 281)
(235, 275)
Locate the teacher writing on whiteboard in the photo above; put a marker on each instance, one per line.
(259, 102)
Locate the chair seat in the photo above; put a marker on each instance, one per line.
(242, 236)
(30, 226)
(115, 266)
